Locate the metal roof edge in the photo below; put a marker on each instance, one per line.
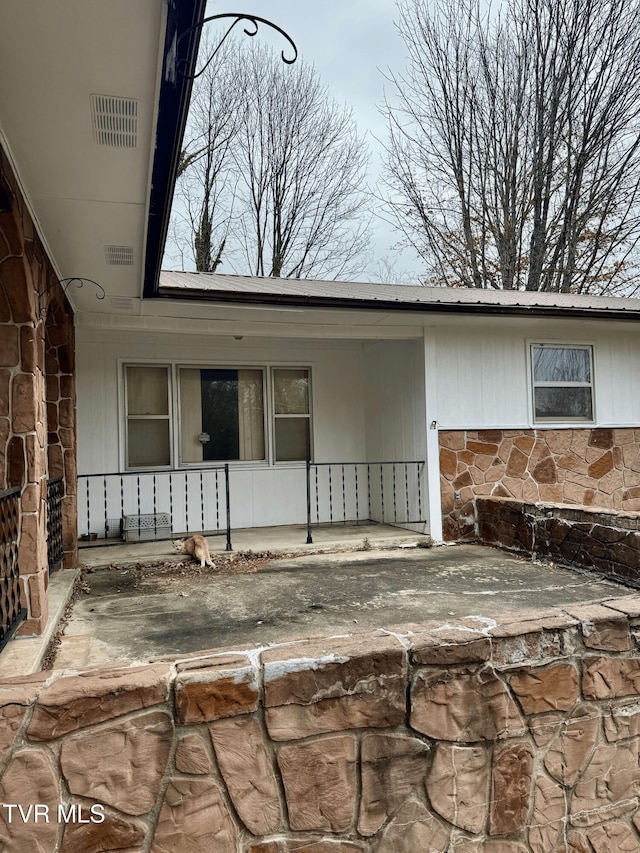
(300, 301)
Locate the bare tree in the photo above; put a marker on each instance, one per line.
(202, 212)
(301, 167)
(514, 153)
(275, 169)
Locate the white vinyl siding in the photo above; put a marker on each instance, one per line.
(481, 377)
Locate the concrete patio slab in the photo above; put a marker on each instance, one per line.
(133, 613)
(277, 540)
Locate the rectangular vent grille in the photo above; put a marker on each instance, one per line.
(122, 303)
(115, 121)
(119, 256)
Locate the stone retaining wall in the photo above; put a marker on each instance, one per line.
(607, 542)
(476, 737)
(590, 467)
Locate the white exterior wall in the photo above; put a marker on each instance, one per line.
(395, 400)
(396, 419)
(370, 399)
(262, 494)
(483, 380)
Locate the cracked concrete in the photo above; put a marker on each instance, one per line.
(130, 615)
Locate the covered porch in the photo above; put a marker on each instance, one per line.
(320, 425)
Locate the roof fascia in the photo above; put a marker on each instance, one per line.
(173, 108)
(191, 294)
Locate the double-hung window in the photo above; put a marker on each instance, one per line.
(225, 414)
(562, 378)
(148, 428)
(291, 414)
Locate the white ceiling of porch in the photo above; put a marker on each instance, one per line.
(54, 55)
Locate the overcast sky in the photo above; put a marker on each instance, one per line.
(350, 42)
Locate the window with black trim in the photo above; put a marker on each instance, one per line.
(562, 378)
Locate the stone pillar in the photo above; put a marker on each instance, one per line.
(25, 297)
(61, 419)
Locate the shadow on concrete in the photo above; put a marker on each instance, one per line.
(137, 612)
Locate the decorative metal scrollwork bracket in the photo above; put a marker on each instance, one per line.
(65, 284)
(254, 20)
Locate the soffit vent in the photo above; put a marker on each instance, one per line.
(115, 121)
(121, 303)
(119, 256)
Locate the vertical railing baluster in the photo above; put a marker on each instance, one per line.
(395, 513)
(355, 468)
(330, 497)
(228, 500)
(155, 508)
(121, 503)
(202, 500)
(419, 475)
(382, 491)
(369, 492)
(317, 497)
(106, 512)
(217, 501)
(186, 501)
(138, 489)
(171, 501)
(344, 498)
(88, 510)
(309, 537)
(406, 491)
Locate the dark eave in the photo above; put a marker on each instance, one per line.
(173, 107)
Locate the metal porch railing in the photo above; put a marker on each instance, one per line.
(365, 493)
(55, 550)
(11, 612)
(195, 501)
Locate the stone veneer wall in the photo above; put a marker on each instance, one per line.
(606, 542)
(477, 737)
(592, 467)
(31, 381)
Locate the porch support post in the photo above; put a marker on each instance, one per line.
(433, 443)
(309, 537)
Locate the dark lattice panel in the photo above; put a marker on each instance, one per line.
(11, 613)
(55, 551)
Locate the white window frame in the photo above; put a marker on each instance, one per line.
(274, 417)
(173, 368)
(265, 405)
(125, 409)
(533, 384)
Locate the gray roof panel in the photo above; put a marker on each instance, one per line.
(255, 289)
